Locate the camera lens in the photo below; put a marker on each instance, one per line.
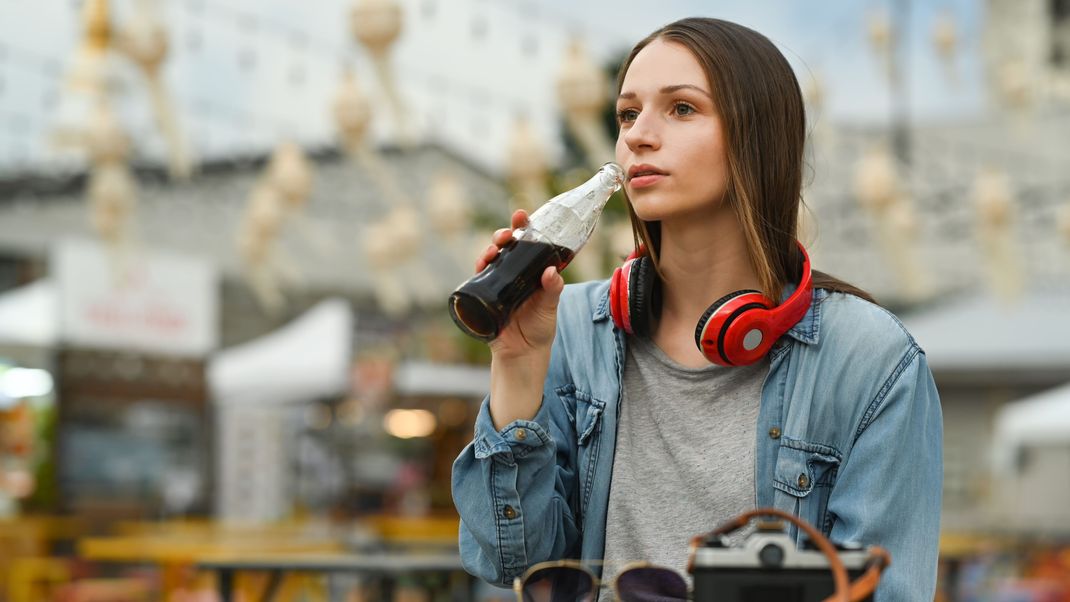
(771, 556)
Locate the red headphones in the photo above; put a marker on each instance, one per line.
(738, 329)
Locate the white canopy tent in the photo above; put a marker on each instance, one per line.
(1039, 420)
(307, 359)
(1031, 458)
(259, 388)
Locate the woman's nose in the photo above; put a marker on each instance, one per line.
(642, 134)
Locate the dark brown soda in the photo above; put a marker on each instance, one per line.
(481, 307)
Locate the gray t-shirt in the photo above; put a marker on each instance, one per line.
(684, 461)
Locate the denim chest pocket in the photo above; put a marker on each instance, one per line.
(803, 478)
(585, 413)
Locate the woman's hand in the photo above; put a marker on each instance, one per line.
(530, 330)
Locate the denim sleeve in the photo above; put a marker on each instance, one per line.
(888, 491)
(511, 489)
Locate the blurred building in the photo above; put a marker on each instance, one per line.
(1027, 49)
(136, 419)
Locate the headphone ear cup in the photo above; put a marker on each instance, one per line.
(710, 333)
(644, 296)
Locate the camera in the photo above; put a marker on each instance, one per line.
(767, 566)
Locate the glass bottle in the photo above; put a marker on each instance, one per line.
(555, 232)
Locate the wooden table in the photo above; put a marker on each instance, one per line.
(388, 565)
(175, 552)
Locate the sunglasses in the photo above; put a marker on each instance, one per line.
(573, 581)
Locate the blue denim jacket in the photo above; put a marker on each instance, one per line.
(849, 438)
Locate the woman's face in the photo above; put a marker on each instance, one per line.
(670, 142)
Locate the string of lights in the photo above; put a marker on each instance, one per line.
(440, 84)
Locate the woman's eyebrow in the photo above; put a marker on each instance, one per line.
(668, 90)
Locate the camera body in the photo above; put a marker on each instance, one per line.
(767, 566)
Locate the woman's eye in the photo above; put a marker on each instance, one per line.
(627, 115)
(682, 109)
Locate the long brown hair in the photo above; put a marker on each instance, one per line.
(764, 124)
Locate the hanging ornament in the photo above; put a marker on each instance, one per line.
(899, 235)
(876, 180)
(447, 206)
(112, 197)
(89, 79)
(144, 41)
(450, 215)
(104, 138)
(993, 200)
(379, 250)
(396, 267)
(290, 174)
(902, 218)
(90, 72)
(877, 186)
(352, 112)
(377, 24)
(945, 41)
(882, 40)
(583, 91)
(264, 216)
(257, 237)
(404, 223)
(112, 190)
(425, 287)
(1014, 87)
(527, 166)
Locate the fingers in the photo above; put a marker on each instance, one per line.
(500, 238)
(552, 283)
(546, 299)
(489, 254)
(520, 218)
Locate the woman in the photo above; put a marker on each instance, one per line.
(599, 443)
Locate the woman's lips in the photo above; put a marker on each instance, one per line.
(645, 181)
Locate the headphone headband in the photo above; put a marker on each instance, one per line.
(736, 330)
(797, 304)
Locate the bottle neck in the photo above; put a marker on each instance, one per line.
(591, 196)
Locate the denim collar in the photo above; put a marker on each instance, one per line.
(805, 330)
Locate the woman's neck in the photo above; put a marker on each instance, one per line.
(701, 260)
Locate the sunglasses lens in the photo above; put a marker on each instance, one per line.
(651, 584)
(559, 584)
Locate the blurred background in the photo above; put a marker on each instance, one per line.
(228, 229)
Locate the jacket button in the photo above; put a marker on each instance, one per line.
(521, 434)
(508, 512)
(774, 433)
(804, 482)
